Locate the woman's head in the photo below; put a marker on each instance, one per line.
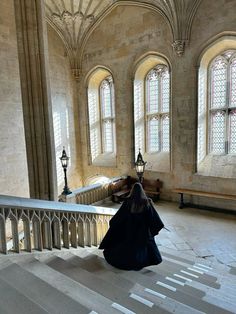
(138, 197)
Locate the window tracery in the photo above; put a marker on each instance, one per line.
(157, 109)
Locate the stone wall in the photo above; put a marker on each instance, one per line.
(65, 111)
(117, 43)
(13, 170)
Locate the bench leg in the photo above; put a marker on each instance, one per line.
(181, 202)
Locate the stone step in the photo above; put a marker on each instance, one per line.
(51, 299)
(78, 292)
(205, 282)
(91, 262)
(180, 296)
(107, 289)
(81, 281)
(187, 271)
(13, 301)
(157, 272)
(100, 268)
(157, 275)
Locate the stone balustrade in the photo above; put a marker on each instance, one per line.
(48, 225)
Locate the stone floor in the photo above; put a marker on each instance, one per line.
(200, 233)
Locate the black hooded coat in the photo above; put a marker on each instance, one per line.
(129, 242)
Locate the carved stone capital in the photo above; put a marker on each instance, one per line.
(178, 46)
(76, 73)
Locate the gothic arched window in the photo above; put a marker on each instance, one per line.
(222, 104)
(157, 109)
(151, 112)
(101, 111)
(107, 114)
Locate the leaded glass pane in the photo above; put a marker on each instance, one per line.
(232, 132)
(138, 108)
(218, 132)
(165, 133)
(201, 115)
(107, 136)
(152, 92)
(201, 142)
(165, 91)
(218, 83)
(139, 138)
(233, 84)
(93, 108)
(153, 136)
(58, 145)
(106, 97)
(94, 142)
(201, 94)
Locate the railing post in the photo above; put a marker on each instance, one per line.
(65, 233)
(37, 234)
(46, 234)
(15, 234)
(56, 233)
(73, 234)
(81, 233)
(27, 235)
(3, 239)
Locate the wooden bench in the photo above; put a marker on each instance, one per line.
(152, 188)
(202, 193)
(122, 187)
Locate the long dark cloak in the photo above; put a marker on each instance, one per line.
(129, 242)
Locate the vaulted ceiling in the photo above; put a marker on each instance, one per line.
(73, 20)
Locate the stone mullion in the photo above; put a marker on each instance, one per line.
(36, 100)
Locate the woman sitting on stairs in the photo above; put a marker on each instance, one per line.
(129, 243)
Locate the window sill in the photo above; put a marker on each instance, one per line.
(157, 161)
(105, 160)
(219, 166)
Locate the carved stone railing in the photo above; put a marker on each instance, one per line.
(48, 225)
(89, 194)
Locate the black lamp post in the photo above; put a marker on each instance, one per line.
(140, 166)
(64, 162)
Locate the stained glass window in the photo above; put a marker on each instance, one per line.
(157, 108)
(222, 109)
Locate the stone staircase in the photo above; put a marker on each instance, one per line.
(80, 281)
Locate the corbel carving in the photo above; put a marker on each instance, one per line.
(76, 73)
(178, 46)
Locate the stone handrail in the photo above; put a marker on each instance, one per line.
(48, 225)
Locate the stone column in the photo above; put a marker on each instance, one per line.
(36, 99)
